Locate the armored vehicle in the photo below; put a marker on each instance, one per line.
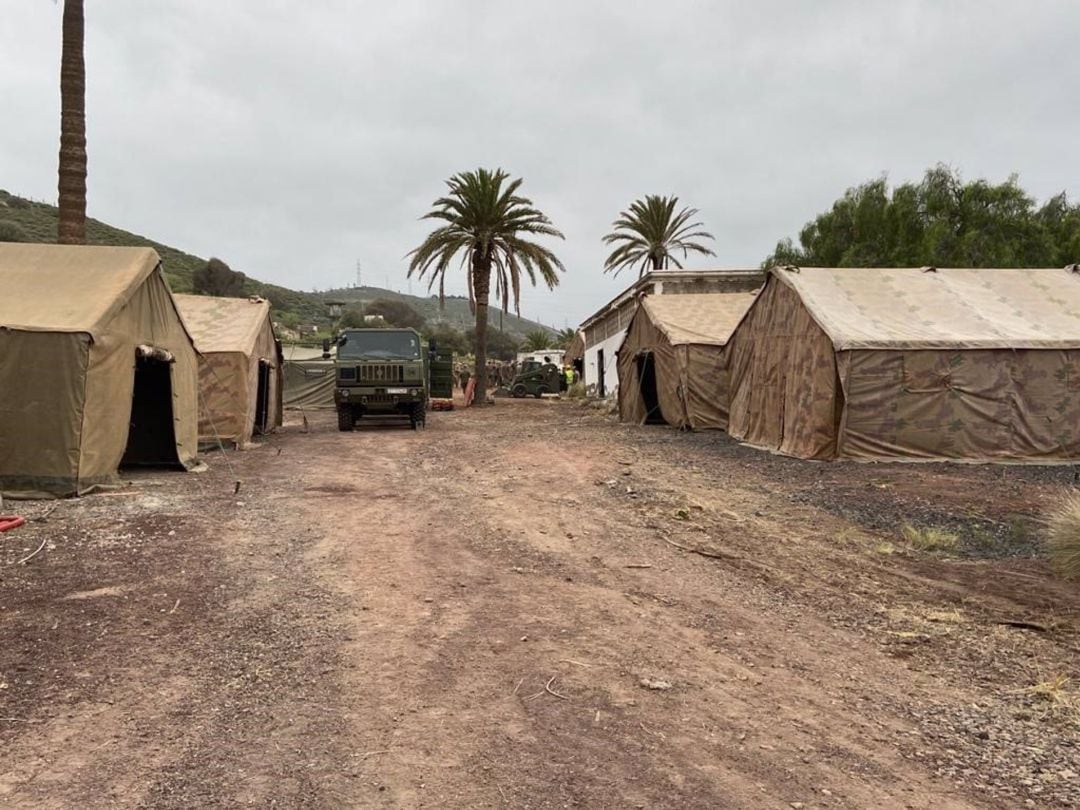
(380, 372)
(536, 379)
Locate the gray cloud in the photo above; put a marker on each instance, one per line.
(293, 139)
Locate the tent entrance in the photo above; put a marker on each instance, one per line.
(151, 433)
(262, 399)
(646, 370)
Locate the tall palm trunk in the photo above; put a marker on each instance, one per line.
(481, 291)
(72, 170)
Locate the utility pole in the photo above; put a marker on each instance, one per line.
(358, 284)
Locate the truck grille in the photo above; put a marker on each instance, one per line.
(382, 372)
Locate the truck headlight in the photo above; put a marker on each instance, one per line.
(344, 392)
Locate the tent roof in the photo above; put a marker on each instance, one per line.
(916, 308)
(698, 318)
(68, 288)
(224, 324)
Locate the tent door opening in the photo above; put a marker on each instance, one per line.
(152, 432)
(262, 399)
(646, 369)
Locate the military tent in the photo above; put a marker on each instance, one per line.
(671, 363)
(911, 364)
(239, 367)
(96, 368)
(308, 379)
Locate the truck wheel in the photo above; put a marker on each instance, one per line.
(345, 420)
(540, 391)
(519, 391)
(418, 416)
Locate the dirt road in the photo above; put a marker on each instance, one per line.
(532, 606)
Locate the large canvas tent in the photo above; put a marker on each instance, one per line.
(671, 364)
(96, 368)
(911, 364)
(239, 367)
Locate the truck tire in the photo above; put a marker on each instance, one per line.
(540, 391)
(519, 391)
(345, 419)
(418, 416)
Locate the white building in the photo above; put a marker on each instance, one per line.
(553, 355)
(604, 331)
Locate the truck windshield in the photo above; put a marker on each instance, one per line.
(382, 345)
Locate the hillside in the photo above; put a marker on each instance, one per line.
(455, 311)
(29, 221)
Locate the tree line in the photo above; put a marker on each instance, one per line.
(939, 221)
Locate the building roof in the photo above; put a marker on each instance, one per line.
(224, 324)
(649, 279)
(68, 288)
(923, 308)
(698, 318)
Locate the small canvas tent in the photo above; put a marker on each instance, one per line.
(671, 363)
(239, 367)
(911, 364)
(96, 368)
(308, 380)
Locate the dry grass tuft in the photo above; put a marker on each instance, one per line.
(1063, 537)
(1060, 700)
(931, 539)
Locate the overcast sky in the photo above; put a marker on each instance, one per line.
(293, 139)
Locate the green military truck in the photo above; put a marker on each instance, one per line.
(536, 379)
(381, 373)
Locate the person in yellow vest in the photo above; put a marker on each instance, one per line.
(569, 372)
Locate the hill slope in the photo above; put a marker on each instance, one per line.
(29, 221)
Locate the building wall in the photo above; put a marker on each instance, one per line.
(608, 347)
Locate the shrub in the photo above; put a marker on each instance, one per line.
(12, 232)
(930, 538)
(1063, 537)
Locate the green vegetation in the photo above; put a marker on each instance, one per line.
(396, 313)
(1063, 538)
(538, 340)
(23, 220)
(938, 222)
(650, 232)
(565, 337)
(486, 219)
(217, 278)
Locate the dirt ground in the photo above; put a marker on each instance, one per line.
(533, 606)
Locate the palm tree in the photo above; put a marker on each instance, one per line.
(537, 340)
(72, 170)
(484, 222)
(565, 337)
(650, 232)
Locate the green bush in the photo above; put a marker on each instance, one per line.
(12, 232)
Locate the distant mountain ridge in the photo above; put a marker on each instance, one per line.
(28, 221)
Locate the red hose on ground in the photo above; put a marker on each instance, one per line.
(11, 522)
